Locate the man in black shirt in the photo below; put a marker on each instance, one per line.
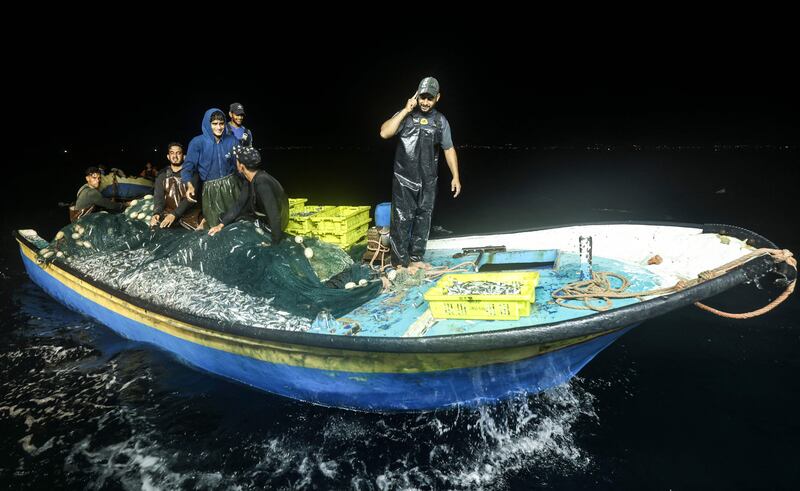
(262, 197)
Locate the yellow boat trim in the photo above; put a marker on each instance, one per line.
(295, 354)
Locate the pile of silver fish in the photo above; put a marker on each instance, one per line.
(185, 289)
(484, 288)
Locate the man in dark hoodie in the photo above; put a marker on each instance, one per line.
(89, 199)
(421, 130)
(211, 156)
(169, 195)
(262, 199)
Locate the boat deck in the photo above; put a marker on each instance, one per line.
(406, 313)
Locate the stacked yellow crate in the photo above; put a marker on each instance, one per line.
(342, 225)
(300, 219)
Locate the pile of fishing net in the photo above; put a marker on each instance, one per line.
(297, 277)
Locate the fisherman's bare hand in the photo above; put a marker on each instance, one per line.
(154, 220)
(411, 103)
(455, 187)
(167, 220)
(190, 192)
(214, 230)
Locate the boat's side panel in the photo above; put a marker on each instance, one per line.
(371, 390)
(127, 187)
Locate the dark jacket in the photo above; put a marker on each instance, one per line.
(89, 196)
(262, 198)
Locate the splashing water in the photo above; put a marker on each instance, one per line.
(81, 406)
(96, 423)
(88, 409)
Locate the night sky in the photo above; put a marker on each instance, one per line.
(94, 97)
(339, 93)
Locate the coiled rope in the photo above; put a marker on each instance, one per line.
(600, 287)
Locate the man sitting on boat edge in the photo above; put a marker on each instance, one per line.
(89, 198)
(169, 195)
(262, 197)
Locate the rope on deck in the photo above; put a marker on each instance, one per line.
(600, 288)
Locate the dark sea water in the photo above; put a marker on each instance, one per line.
(686, 401)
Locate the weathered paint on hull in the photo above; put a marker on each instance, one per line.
(348, 379)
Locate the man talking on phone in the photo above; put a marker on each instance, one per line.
(422, 130)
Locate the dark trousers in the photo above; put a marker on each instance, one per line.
(411, 221)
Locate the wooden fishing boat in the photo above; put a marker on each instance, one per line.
(393, 354)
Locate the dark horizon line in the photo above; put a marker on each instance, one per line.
(593, 146)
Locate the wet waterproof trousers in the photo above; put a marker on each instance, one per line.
(411, 221)
(219, 195)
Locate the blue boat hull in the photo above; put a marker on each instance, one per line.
(125, 187)
(369, 390)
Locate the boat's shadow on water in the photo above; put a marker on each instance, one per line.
(85, 407)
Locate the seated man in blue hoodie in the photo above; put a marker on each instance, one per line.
(262, 199)
(211, 156)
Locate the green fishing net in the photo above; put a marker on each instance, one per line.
(300, 278)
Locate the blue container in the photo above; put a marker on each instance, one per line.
(383, 214)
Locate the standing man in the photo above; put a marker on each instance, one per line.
(211, 156)
(236, 127)
(422, 130)
(169, 195)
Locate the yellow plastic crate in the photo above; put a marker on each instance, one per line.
(348, 238)
(488, 307)
(341, 219)
(300, 221)
(296, 203)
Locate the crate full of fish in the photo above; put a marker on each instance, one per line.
(489, 296)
